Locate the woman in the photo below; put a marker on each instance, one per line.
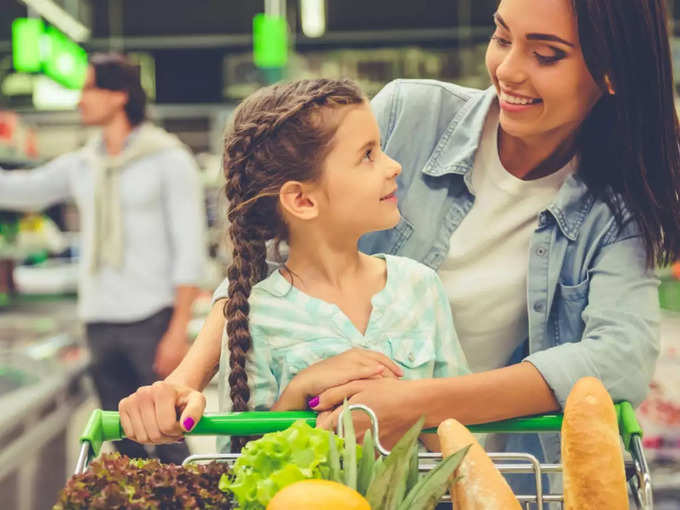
(543, 202)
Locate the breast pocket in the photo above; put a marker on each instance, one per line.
(573, 299)
(414, 352)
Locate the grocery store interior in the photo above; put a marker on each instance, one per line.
(197, 62)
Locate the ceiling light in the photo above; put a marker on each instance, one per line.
(60, 18)
(313, 14)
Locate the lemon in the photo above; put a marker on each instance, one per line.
(318, 495)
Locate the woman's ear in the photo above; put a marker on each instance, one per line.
(297, 200)
(610, 86)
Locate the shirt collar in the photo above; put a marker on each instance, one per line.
(455, 154)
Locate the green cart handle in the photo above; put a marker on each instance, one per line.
(105, 425)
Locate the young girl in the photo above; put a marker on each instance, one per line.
(304, 166)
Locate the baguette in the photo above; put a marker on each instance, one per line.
(592, 459)
(481, 486)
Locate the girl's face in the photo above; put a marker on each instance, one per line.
(537, 66)
(358, 185)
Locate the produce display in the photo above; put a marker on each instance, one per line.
(116, 482)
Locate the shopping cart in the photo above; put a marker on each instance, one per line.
(105, 426)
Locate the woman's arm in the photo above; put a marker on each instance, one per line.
(517, 390)
(620, 340)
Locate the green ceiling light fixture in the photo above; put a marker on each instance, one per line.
(26, 37)
(39, 49)
(270, 41)
(65, 62)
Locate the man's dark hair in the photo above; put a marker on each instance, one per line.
(115, 72)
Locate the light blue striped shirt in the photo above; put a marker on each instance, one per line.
(410, 323)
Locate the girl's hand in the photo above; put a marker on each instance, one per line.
(354, 364)
(149, 415)
(394, 402)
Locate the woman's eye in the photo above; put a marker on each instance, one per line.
(369, 155)
(500, 41)
(549, 59)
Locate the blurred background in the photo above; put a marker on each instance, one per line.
(197, 60)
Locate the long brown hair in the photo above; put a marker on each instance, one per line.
(280, 133)
(630, 142)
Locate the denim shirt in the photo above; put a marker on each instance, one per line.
(592, 301)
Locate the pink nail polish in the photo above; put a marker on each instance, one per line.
(313, 402)
(188, 423)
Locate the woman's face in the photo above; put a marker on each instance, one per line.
(537, 66)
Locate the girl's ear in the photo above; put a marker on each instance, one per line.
(297, 200)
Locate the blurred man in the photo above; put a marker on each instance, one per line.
(142, 227)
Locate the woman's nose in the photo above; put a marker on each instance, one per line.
(511, 69)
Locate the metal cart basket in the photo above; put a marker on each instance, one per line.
(105, 426)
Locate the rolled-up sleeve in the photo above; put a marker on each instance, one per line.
(186, 218)
(620, 342)
(221, 292)
(36, 189)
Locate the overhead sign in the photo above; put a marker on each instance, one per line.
(39, 49)
(270, 41)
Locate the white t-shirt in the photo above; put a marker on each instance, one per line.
(485, 272)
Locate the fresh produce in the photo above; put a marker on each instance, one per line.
(307, 494)
(280, 459)
(592, 458)
(277, 460)
(116, 482)
(393, 482)
(479, 486)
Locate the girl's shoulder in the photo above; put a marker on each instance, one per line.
(405, 268)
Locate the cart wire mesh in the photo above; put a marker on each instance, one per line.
(105, 426)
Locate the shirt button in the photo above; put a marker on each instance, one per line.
(538, 306)
(541, 251)
(411, 357)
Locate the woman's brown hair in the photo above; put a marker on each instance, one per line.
(280, 133)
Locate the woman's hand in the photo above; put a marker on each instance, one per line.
(351, 365)
(149, 415)
(394, 402)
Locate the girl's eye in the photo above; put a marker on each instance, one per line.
(500, 41)
(369, 155)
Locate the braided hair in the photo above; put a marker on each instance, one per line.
(280, 133)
